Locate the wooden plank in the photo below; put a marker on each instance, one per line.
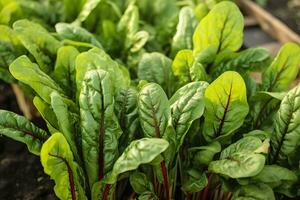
(269, 23)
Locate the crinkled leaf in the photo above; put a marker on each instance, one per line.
(226, 106)
(58, 162)
(155, 67)
(154, 110)
(187, 105)
(286, 137)
(99, 125)
(195, 183)
(138, 152)
(258, 191)
(127, 114)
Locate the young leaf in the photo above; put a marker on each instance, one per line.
(58, 162)
(286, 137)
(155, 67)
(38, 42)
(221, 29)
(64, 72)
(39, 81)
(185, 29)
(21, 129)
(99, 126)
(187, 105)
(226, 106)
(87, 8)
(127, 113)
(154, 110)
(140, 182)
(138, 152)
(283, 69)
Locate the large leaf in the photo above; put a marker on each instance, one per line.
(99, 125)
(226, 106)
(185, 29)
(64, 72)
(241, 159)
(58, 162)
(221, 29)
(286, 137)
(39, 42)
(29, 73)
(283, 69)
(154, 110)
(138, 152)
(21, 129)
(155, 67)
(127, 114)
(140, 182)
(187, 105)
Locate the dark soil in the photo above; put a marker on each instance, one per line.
(21, 174)
(289, 15)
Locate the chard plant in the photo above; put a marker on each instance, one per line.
(190, 123)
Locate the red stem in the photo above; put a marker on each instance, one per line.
(206, 190)
(106, 191)
(165, 176)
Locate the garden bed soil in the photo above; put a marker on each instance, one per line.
(280, 9)
(21, 174)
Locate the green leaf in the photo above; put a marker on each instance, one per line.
(185, 29)
(155, 67)
(221, 29)
(76, 33)
(154, 110)
(64, 72)
(258, 191)
(139, 152)
(21, 129)
(47, 113)
(187, 105)
(241, 159)
(148, 196)
(140, 183)
(195, 183)
(246, 60)
(286, 137)
(99, 125)
(275, 176)
(87, 8)
(58, 162)
(283, 69)
(66, 121)
(205, 154)
(186, 69)
(29, 73)
(226, 106)
(127, 114)
(38, 41)
(98, 59)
